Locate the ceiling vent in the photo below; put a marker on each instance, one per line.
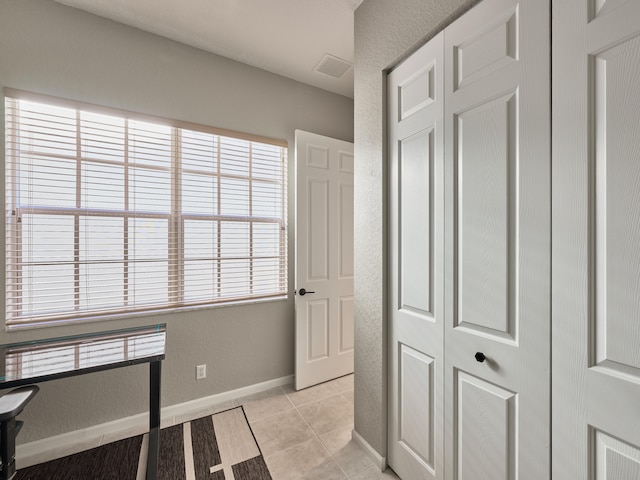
(333, 66)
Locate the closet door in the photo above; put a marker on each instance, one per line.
(596, 240)
(497, 244)
(416, 265)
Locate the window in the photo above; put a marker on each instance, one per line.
(109, 212)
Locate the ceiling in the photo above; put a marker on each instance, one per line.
(287, 37)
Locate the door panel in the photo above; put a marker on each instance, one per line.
(486, 422)
(346, 340)
(596, 182)
(416, 91)
(615, 459)
(497, 244)
(317, 218)
(493, 46)
(486, 186)
(416, 403)
(617, 203)
(415, 227)
(318, 330)
(324, 258)
(346, 228)
(416, 268)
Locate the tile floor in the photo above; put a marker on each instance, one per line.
(306, 435)
(303, 435)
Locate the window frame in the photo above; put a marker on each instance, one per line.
(176, 218)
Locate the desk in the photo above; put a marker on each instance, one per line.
(52, 358)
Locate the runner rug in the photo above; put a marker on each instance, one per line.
(215, 447)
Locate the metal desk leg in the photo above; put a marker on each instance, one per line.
(8, 448)
(154, 421)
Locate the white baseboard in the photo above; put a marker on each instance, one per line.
(378, 460)
(50, 448)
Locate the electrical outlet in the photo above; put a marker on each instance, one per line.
(201, 372)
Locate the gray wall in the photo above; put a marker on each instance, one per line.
(56, 50)
(385, 33)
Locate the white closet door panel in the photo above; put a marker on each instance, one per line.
(415, 229)
(612, 404)
(416, 411)
(617, 197)
(497, 242)
(416, 91)
(416, 404)
(485, 437)
(491, 47)
(596, 197)
(615, 459)
(486, 183)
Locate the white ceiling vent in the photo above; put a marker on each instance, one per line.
(333, 66)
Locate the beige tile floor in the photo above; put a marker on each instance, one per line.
(306, 435)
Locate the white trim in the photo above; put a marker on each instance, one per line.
(378, 460)
(50, 448)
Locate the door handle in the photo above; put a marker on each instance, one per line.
(303, 292)
(480, 357)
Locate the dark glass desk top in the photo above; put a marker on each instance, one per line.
(48, 359)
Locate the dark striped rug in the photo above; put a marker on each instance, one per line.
(215, 447)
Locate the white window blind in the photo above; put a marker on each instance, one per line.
(108, 212)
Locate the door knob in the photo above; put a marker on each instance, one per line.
(480, 357)
(302, 291)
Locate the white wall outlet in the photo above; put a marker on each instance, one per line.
(201, 372)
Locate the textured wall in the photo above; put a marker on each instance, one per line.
(56, 50)
(385, 33)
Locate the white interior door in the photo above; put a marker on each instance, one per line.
(324, 258)
(416, 414)
(497, 243)
(596, 240)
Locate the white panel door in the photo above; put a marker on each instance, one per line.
(416, 414)
(596, 240)
(497, 242)
(324, 258)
